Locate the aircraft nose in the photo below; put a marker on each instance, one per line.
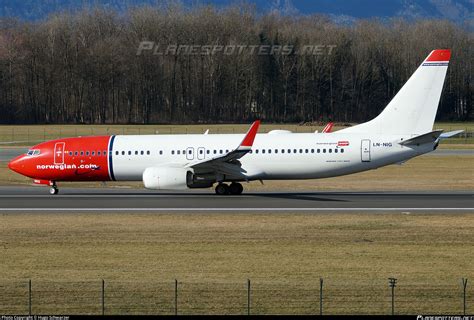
(16, 164)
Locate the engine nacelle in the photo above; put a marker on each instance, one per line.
(166, 178)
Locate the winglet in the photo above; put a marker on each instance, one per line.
(328, 127)
(250, 136)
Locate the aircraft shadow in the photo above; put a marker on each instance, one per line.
(305, 196)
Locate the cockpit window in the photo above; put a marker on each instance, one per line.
(33, 152)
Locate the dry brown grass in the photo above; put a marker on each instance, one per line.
(33, 134)
(212, 255)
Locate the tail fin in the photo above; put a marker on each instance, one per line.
(413, 109)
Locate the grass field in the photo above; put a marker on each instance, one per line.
(31, 134)
(212, 255)
(422, 173)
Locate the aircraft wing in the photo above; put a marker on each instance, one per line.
(227, 163)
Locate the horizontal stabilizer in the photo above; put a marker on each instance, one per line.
(450, 134)
(424, 138)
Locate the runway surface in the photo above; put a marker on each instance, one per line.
(32, 199)
(6, 154)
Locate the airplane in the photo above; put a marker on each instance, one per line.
(403, 130)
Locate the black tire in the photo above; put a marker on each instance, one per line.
(53, 190)
(222, 189)
(236, 188)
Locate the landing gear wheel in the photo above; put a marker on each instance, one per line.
(236, 188)
(222, 189)
(53, 190)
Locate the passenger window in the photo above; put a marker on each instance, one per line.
(123, 153)
(256, 151)
(189, 152)
(129, 153)
(200, 151)
(136, 152)
(70, 153)
(93, 153)
(105, 153)
(312, 150)
(282, 150)
(324, 150)
(330, 150)
(75, 153)
(82, 153)
(142, 152)
(87, 153)
(269, 150)
(208, 152)
(172, 151)
(342, 150)
(148, 152)
(161, 152)
(319, 150)
(178, 152)
(263, 150)
(335, 150)
(220, 151)
(116, 153)
(98, 153)
(295, 151)
(214, 151)
(306, 150)
(301, 150)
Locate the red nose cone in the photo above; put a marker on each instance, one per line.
(15, 164)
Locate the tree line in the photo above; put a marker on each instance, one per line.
(168, 64)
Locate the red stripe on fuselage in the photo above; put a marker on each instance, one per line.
(81, 159)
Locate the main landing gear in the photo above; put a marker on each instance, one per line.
(234, 188)
(53, 189)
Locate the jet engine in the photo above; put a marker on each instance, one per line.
(165, 178)
(174, 178)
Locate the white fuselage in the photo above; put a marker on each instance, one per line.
(273, 156)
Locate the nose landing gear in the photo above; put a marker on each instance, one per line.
(235, 188)
(53, 189)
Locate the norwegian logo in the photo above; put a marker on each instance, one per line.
(342, 143)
